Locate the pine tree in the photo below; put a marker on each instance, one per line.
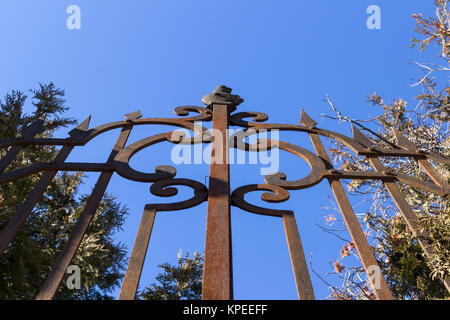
(29, 259)
(180, 282)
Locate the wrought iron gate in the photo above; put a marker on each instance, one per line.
(220, 109)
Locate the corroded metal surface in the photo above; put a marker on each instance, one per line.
(368, 260)
(403, 206)
(52, 282)
(24, 210)
(217, 268)
(137, 259)
(301, 274)
(220, 107)
(222, 95)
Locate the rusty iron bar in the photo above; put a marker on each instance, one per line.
(403, 142)
(217, 269)
(433, 174)
(218, 275)
(303, 283)
(52, 282)
(134, 270)
(10, 231)
(423, 237)
(51, 166)
(9, 156)
(299, 267)
(381, 289)
(135, 265)
(29, 132)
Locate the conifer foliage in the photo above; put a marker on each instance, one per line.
(29, 259)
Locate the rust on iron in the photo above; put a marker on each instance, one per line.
(217, 268)
(368, 260)
(301, 274)
(24, 210)
(134, 270)
(403, 206)
(220, 109)
(133, 115)
(423, 163)
(28, 132)
(137, 259)
(52, 282)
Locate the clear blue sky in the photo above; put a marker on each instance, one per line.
(280, 56)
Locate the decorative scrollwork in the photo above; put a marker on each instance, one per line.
(237, 119)
(315, 176)
(222, 103)
(359, 144)
(204, 113)
(317, 164)
(82, 134)
(278, 195)
(163, 188)
(121, 161)
(353, 144)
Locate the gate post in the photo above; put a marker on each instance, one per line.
(218, 265)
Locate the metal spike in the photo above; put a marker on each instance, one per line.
(306, 120)
(133, 115)
(82, 127)
(360, 137)
(402, 141)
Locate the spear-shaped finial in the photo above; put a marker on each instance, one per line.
(306, 120)
(402, 141)
(360, 137)
(133, 115)
(82, 127)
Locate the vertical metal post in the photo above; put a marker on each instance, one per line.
(303, 283)
(217, 267)
(134, 270)
(217, 270)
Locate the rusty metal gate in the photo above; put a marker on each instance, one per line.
(220, 109)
